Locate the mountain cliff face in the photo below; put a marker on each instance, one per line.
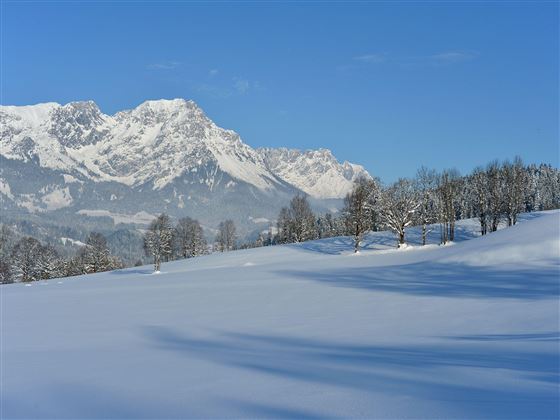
(164, 155)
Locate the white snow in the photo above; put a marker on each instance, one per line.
(142, 217)
(69, 179)
(259, 219)
(66, 241)
(57, 198)
(31, 115)
(299, 331)
(316, 172)
(5, 188)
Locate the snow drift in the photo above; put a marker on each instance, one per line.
(299, 331)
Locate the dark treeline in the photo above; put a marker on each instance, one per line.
(28, 260)
(492, 194)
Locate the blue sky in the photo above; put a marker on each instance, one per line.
(391, 86)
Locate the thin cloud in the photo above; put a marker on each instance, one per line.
(440, 59)
(238, 86)
(371, 58)
(213, 72)
(214, 91)
(242, 86)
(450, 57)
(166, 65)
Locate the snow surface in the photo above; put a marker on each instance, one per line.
(57, 198)
(299, 331)
(141, 218)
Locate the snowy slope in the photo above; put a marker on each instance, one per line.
(469, 330)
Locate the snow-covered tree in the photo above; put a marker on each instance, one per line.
(296, 223)
(515, 180)
(328, 226)
(158, 240)
(96, 257)
(189, 238)
(284, 225)
(399, 204)
(226, 237)
(359, 207)
(7, 241)
(480, 198)
(426, 186)
(303, 219)
(76, 266)
(50, 263)
(448, 195)
(495, 194)
(6, 276)
(25, 258)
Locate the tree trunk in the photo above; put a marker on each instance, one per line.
(452, 230)
(401, 238)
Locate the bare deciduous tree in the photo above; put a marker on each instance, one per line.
(25, 258)
(399, 203)
(189, 238)
(226, 237)
(426, 186)
(158, 239)
(359, 206)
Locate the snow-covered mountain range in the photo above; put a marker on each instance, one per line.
(163, 155)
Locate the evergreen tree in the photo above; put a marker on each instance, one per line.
(49, 262)
(96, 255)
(6, 276)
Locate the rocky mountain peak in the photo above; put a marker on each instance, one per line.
(159, 141)
(77, 124)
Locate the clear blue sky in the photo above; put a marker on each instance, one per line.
(391, 86)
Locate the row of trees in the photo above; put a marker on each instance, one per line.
(165, 242)
(492, 194)
(498, 192)
(29, 260)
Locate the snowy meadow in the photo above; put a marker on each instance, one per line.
(311, 330)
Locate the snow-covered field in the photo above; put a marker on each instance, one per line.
(469, 330)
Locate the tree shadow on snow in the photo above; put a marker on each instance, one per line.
(387, 240)
(523, 383)
(380, 240)
(449, 280)
(129, 271)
